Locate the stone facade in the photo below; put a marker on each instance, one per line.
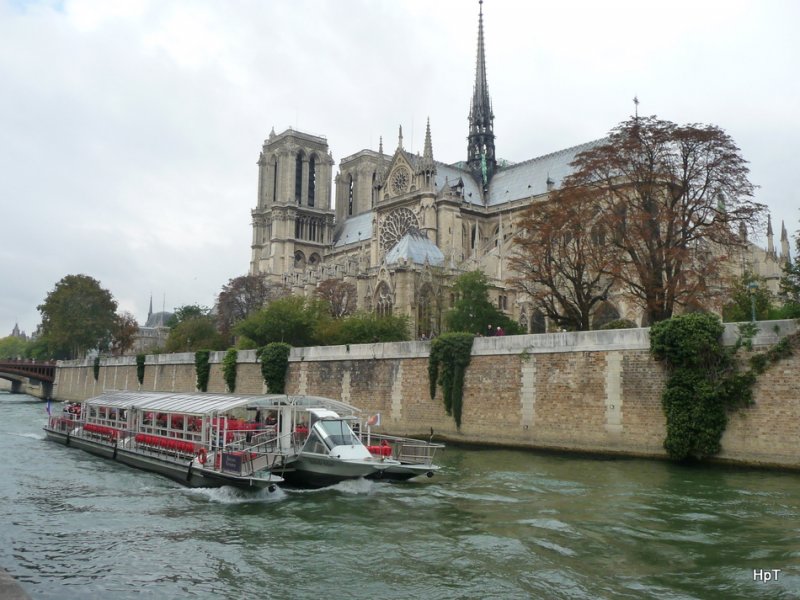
(404, 224)
(595, 391)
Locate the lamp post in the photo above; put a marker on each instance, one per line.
(752, 287)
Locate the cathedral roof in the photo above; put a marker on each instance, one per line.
(158, 319)
(450, 175)
(415, 247)
(354, 229)
(530, 178)
(514, 181)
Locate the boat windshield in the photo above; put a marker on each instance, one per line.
(338, 433)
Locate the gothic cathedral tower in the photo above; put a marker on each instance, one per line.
(293, 221)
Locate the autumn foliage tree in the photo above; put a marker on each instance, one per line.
(124, 334)
(340, 295)
(241, 297)
(562, 257)
(673, 199)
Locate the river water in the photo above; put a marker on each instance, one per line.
(495, 524)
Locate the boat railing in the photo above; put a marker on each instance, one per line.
(63, 423)
(243, 452)
(406, 450)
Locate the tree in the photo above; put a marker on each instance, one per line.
(193, 334)
(13, 347)
(749, 292)
(292, 320)
(473, 312)
(789, 293)
(562, 257)
(77, 315)
(340, 295)
(186, 312)
(673, 199)
(124, 334)
(364, 328)
(241, 297)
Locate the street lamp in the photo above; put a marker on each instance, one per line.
(752, 287)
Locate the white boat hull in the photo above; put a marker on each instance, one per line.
(316, 470)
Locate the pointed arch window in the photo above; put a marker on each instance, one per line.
(349, 195)
(427, 323)
(312, 179)
(383, 300)
(275, 179)
(312, 230)
(298, 177)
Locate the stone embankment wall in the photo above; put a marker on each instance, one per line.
(595, 391)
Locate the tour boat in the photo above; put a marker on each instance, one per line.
(199, 440)
(317, 446)
(210, 440)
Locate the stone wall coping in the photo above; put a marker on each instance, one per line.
(769, 333)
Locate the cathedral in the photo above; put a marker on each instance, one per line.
(403, 225)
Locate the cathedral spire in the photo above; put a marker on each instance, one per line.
(400, 139)
(784, 243)
(427, 154)
(426, 166)
(480, 145)
(770, 242)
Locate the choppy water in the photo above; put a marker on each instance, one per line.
(495, 524)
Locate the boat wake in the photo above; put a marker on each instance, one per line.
(231, 495)
(348, 486)
(30, 436)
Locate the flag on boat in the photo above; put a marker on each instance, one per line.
(374, 420)
(48, 407)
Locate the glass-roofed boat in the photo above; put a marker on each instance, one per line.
(199, 440)
(209, 440)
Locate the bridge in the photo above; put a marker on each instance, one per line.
(18, 372)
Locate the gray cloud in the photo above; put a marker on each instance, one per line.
(129, 131)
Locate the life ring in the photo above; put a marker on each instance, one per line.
(202, 456)
(113, 435)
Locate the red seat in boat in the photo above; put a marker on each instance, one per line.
(380, 450)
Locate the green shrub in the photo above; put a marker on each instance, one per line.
(619, 324)
(229, 369)
(447, 364)
(202, 368)
(705, 382)
(274, 364)
(140, 359)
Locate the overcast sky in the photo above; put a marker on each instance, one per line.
(129, 130)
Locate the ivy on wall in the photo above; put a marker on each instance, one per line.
(202, 368)
(447, 364)
(274, 364)
(96, 368)
(140, 358)
(705, 381)
(229, 369)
